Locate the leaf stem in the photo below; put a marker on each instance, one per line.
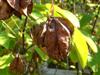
(23, 35)
(52, 8)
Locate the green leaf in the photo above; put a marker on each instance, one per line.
(5, 61)
(85, 19)
(56, 8)
(7, 40)
(40, 53)
(81, 47)
(73, 55)
(93, 5)
(91, 43)
(5, 71)
(95, 58)
(4, 64)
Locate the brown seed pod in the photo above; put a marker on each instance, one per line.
(54, 35)
(24, 3)
(5, 10)
(24, 7)
(56, 40)
(17, 66)
(14, 4)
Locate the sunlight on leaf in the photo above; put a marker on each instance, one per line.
(81, 47)
(91, 44)
(7, 40)
(5, 61)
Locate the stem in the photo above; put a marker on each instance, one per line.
(96, 18)
(52, 8)
(23, 36)
(74, 6)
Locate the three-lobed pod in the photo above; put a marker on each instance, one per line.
(55, 36)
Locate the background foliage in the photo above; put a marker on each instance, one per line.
(85, 40)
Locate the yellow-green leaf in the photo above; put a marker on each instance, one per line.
(56, 8)
(91, 43)
(81, 47)
(70, 17)
(5, 61)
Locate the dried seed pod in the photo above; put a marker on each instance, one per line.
(24, 7)
(66, 23)
(24, 3)
(5, 10)
(17, 66)
(54, 35)
(56, 40)
(14, 4)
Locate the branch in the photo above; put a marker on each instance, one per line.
(23, 36)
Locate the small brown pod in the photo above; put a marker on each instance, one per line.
(17, 66)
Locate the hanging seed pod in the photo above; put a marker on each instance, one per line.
(17, 66)
(5, 10)
(24, 7)
(56, 40)
(54, 35)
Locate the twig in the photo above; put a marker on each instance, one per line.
(74, 7)
(23, 36)
(96, 18)
(52, 8)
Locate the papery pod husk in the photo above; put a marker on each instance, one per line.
(25, 3)
(5, 10)
(24, 7)
(53, 36)
(56, 40)
(17, 66)
(66, 23)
